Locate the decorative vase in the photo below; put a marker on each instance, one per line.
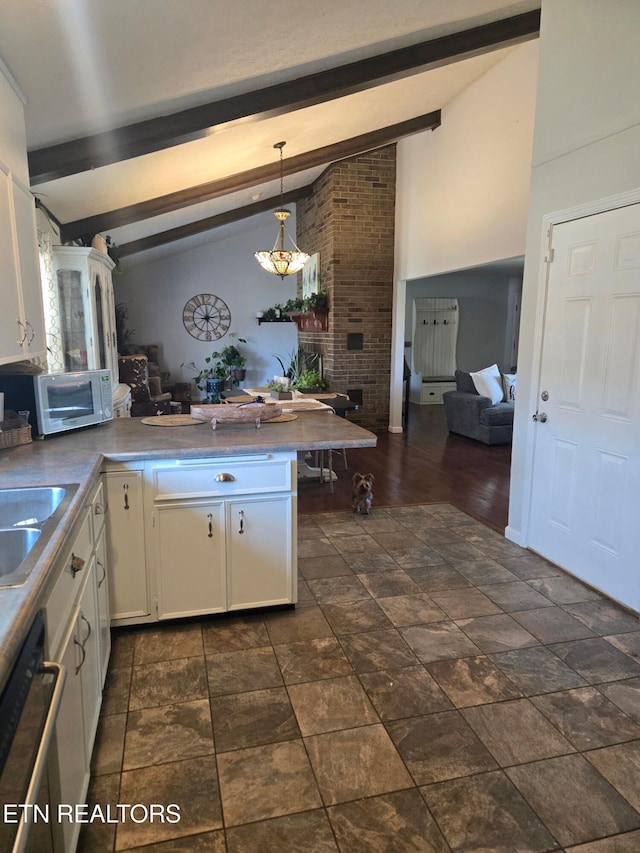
(214, 388)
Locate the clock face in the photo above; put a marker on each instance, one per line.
(206, 317)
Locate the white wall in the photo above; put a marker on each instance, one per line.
(462, 190)
(482, 315)
(586, 144)
(155, 293)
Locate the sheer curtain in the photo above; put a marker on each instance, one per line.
(435, 336)
(55, 358)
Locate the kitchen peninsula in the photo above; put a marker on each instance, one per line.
(128, 444)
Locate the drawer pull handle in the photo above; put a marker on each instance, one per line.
(84, 654)
(225, 478)
(210, 517)
(77, 564)
(126, 496)
(104, 573)
(241, 522)
(84, 619)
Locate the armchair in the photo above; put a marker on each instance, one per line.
(147, 397)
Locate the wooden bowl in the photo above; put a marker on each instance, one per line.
(235, 413)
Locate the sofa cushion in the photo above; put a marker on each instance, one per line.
(464, 382)
(488, 383)
(498, 415)
(509, 384)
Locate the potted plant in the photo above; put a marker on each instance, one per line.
(280, 387)
(310, 314)
(310, 381)
(211, 378)
(234, 362)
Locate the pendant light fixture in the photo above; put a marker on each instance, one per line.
(279, 260)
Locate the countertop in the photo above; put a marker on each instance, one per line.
(78, 457)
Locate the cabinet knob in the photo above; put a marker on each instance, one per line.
(225, 478)
(77, 564)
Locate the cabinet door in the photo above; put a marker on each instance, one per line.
(29, 266)
(70, 778)
(128, 591)
(11, 333)
(88, 634)
(190, 558)
(260, 552)
(104, 619)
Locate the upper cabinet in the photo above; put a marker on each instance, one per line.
(84, 302)
(21, 318)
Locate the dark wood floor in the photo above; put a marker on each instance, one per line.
(425, 464)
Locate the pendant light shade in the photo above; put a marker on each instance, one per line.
(281, 261)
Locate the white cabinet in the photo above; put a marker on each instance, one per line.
(86, 308)
(98, 509)
(260, 555)
(427, 393)
(128, 592)
(187, 537)
(74, 639)
(190, 558)
(222, 533)
(22, 321)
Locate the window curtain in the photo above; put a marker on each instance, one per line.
(435, 337)
(53, 332)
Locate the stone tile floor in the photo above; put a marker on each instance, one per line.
(436, 689)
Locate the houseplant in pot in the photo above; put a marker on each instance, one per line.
(310, 382)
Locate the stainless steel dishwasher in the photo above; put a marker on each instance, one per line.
(28, 708)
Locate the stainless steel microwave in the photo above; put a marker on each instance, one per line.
(58, 402)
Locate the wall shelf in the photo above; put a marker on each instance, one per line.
(280, 320)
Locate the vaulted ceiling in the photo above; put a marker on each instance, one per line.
(151, 120)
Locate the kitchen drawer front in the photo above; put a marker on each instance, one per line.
(98, 506)
(69, 584)
(222, 479)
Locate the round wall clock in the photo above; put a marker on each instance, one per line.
(206, 317)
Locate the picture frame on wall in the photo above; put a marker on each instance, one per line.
(310, 282)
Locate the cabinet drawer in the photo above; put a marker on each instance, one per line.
(69, 584)
(98, 506)
(222, 479)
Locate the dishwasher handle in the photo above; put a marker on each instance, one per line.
(39, 765)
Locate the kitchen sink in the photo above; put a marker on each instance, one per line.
(30, 505)
(28, 518)
(15, 545)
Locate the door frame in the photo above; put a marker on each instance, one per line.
(549, 221)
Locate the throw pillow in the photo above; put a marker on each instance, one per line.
(488, 383)
(509, 383)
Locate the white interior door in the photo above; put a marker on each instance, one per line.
(586, 482)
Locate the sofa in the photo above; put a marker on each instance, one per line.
(475, 416)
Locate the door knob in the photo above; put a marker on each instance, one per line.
(544, 396)
(541, 417)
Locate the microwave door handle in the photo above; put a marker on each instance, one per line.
(47, 668)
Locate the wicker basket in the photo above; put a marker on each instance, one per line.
(13, 430)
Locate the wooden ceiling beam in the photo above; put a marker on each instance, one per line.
(102, 222)
(80, 155)
(211, 222)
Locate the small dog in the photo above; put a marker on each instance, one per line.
(362, 493)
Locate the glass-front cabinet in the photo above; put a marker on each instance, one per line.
(81, 318)
(86, 311)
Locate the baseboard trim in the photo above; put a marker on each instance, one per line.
(515, 536)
